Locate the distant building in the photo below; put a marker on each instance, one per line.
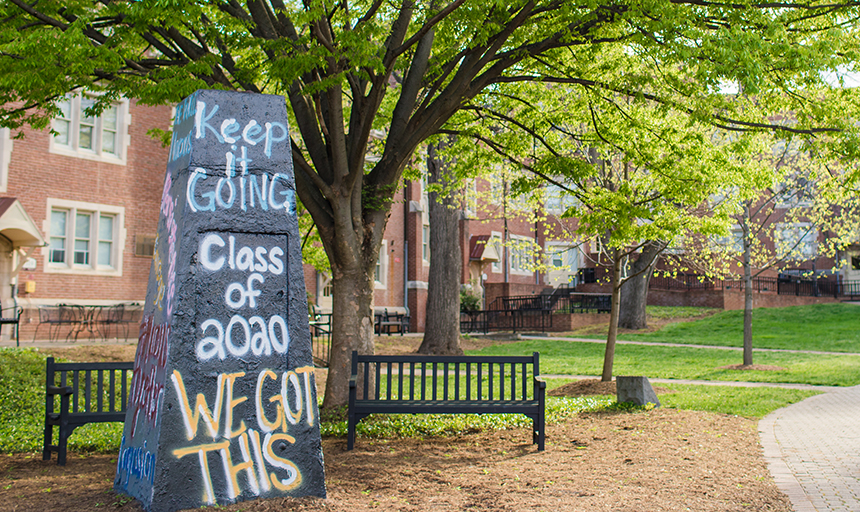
(80, 208)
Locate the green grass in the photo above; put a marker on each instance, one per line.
(819, 327)
(677, 312)
(583, 358)
(752, 403)
(22, 409)
(437, 425)
(747, 402)
(827, 327)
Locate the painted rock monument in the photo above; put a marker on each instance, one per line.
(222, 406)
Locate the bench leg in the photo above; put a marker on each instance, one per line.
(61, 446)
(350, 433)
(539, 434)
(49, 440)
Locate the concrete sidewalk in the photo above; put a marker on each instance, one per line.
(813, 451)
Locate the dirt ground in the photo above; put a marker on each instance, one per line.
(658, 460)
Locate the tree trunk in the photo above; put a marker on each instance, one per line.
(609, 355)
(748, 302)
(352, 327)
(634, 291)
(442, 330)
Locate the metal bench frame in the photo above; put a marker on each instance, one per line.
(385, 321)
(81, 389)
(418, 384)
(14, 319)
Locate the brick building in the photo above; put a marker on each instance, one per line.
(79, 211)
(80, 208)
(498, 238)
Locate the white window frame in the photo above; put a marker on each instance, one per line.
(96, 211)
(557, 201)
(425, 244)
(569, 252)
(799, 195)
(74, 150)
(496, 241)
(807, 248)
(5, 157)
(734, 241)
(520, 255)
(380, 275)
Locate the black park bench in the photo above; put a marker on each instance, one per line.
(419, 384)
(88, 393)
(391, 319)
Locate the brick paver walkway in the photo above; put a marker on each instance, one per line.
(813, 451)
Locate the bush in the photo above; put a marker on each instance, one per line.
(22, 409)
(469, 302)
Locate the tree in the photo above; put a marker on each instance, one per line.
(780, 224)
(348, 68)
(635, 194)
(442, 331)
(634, 292)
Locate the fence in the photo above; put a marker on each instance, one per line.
(783, 285)
(532, 312)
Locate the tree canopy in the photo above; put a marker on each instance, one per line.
(378, 77)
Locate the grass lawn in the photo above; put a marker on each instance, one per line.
(753, 403)
(22, 409)
(830, 327)
(819, 327)
(583, 358)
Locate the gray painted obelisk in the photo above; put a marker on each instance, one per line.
(222, 406)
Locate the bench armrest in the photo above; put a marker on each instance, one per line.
(353, 382)
(540, 382)
(17, 309)
(59, 390)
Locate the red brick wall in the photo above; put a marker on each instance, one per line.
(495, 290)
(729, 299)
(570, 322)
(35, 175)
(734, 299)
(693, 298)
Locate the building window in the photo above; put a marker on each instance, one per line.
(425, 243)
(496, 242)
(102, 137)
(5, 157)
(563, 257)
(58, 236)
(734, 241)
(521, 255)
(83, 222)
(380, 273)
(797, 241)
(795, 192)
(558, 201)
(84, 238)
(564, 264)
